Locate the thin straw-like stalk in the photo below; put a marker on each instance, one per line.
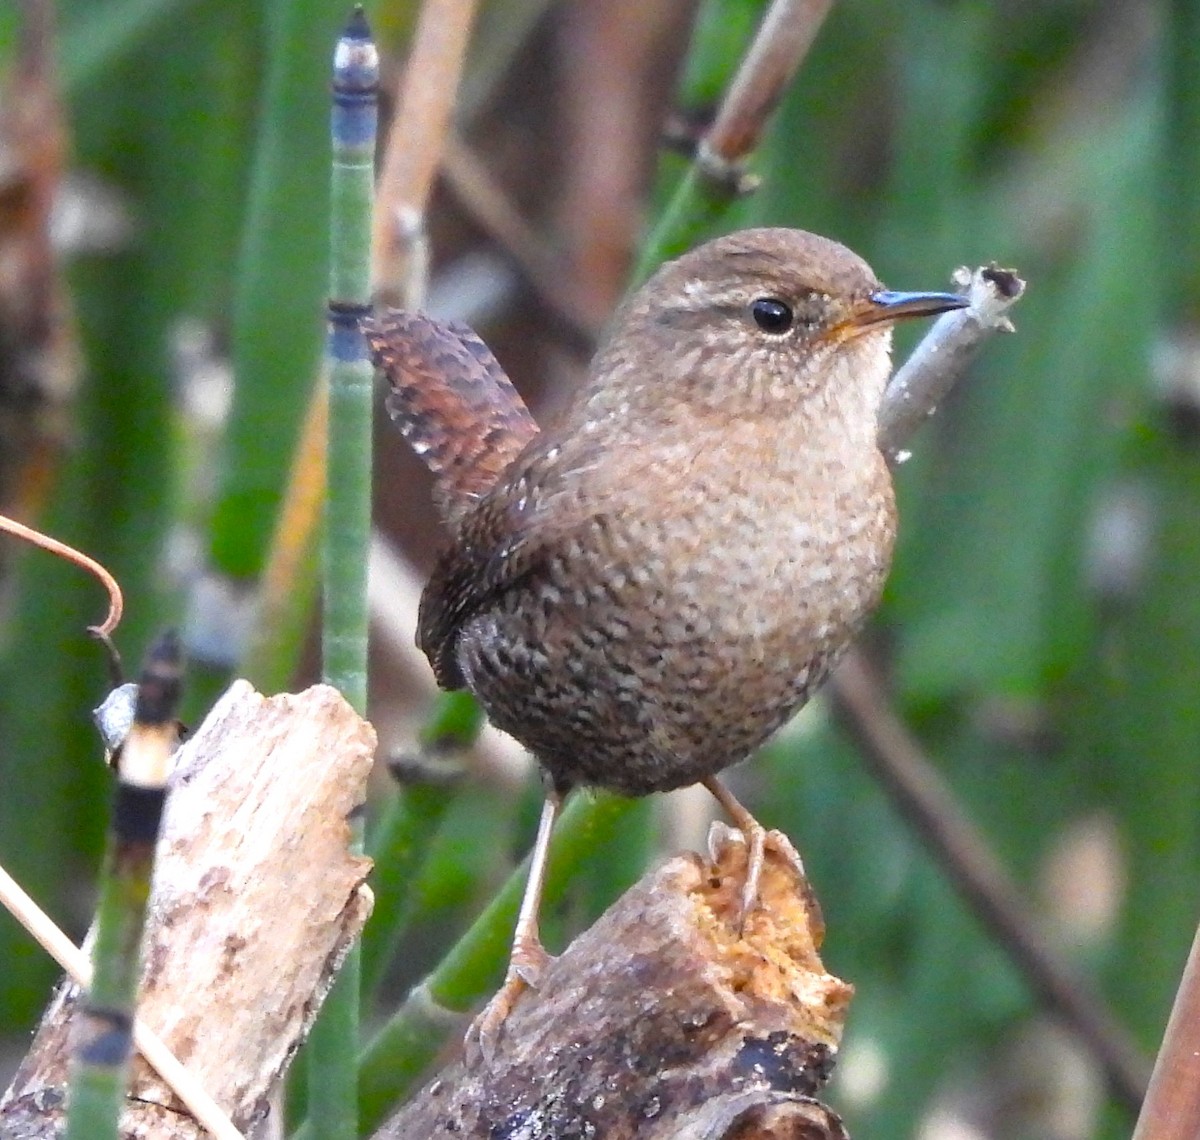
(331, 1048)
(105, 1044)
(718, 175)
(424, 106)
(1171, 1110)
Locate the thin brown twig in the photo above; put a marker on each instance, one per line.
(414, 149)
(116, 603)
(478, 192)
(920, 794)
(79, 968)
(780, 45)
(1171, 1110)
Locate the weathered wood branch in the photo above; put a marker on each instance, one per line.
(256, 901)
(661, 1021)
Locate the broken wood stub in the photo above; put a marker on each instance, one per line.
(661, 1021)
(256, 900)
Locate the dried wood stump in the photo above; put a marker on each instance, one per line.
(662, 1022)
(256, 901)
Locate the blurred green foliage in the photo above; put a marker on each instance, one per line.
(1043, 617)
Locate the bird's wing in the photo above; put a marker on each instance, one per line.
(452, 402)
(503, 543)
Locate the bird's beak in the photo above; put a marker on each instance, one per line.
(887, 305)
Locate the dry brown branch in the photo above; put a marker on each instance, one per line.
(256, 901)
(779, 47)
(919, 793)
(480, 195)
(414, 148)
(661, 1022)
(1171, 1110)
(945, 353)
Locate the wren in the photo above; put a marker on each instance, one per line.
(644, 592)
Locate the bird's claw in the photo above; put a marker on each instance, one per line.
(525, 969)
(755, 836)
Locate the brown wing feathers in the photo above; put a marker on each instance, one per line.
(452, 401)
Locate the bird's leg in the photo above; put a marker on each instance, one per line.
(755, 836)
(528, 957)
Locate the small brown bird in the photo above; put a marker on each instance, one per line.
(643, 593)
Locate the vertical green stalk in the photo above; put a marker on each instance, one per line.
(333, 1045)
(401, 841)
(718, 177)
(281, 274)
(692, 214)
(351, 375)
(395, 1058)
(101, 1064)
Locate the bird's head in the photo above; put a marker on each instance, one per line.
(762, 322)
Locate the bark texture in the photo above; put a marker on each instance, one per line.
(661, 1021)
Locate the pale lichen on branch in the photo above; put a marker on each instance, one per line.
(945, 353)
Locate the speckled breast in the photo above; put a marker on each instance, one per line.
(672, 638)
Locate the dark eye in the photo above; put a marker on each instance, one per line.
(771, 315)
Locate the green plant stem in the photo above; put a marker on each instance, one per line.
(721, 35)
(717, 176)
(393, 1061)
(695, 208)
(332, 1045)
(100, 1069)
(401, 841)
(400, 846)
(454, 723)
(348, 514)
(282, 274)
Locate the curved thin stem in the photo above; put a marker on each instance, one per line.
(116, 602)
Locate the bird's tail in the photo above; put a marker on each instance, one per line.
(452, 401)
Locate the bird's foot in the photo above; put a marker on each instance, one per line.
(755, 836)
(525, 967)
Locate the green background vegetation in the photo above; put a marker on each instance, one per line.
(1042, 624)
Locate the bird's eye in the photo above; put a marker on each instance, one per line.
(772, 315)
